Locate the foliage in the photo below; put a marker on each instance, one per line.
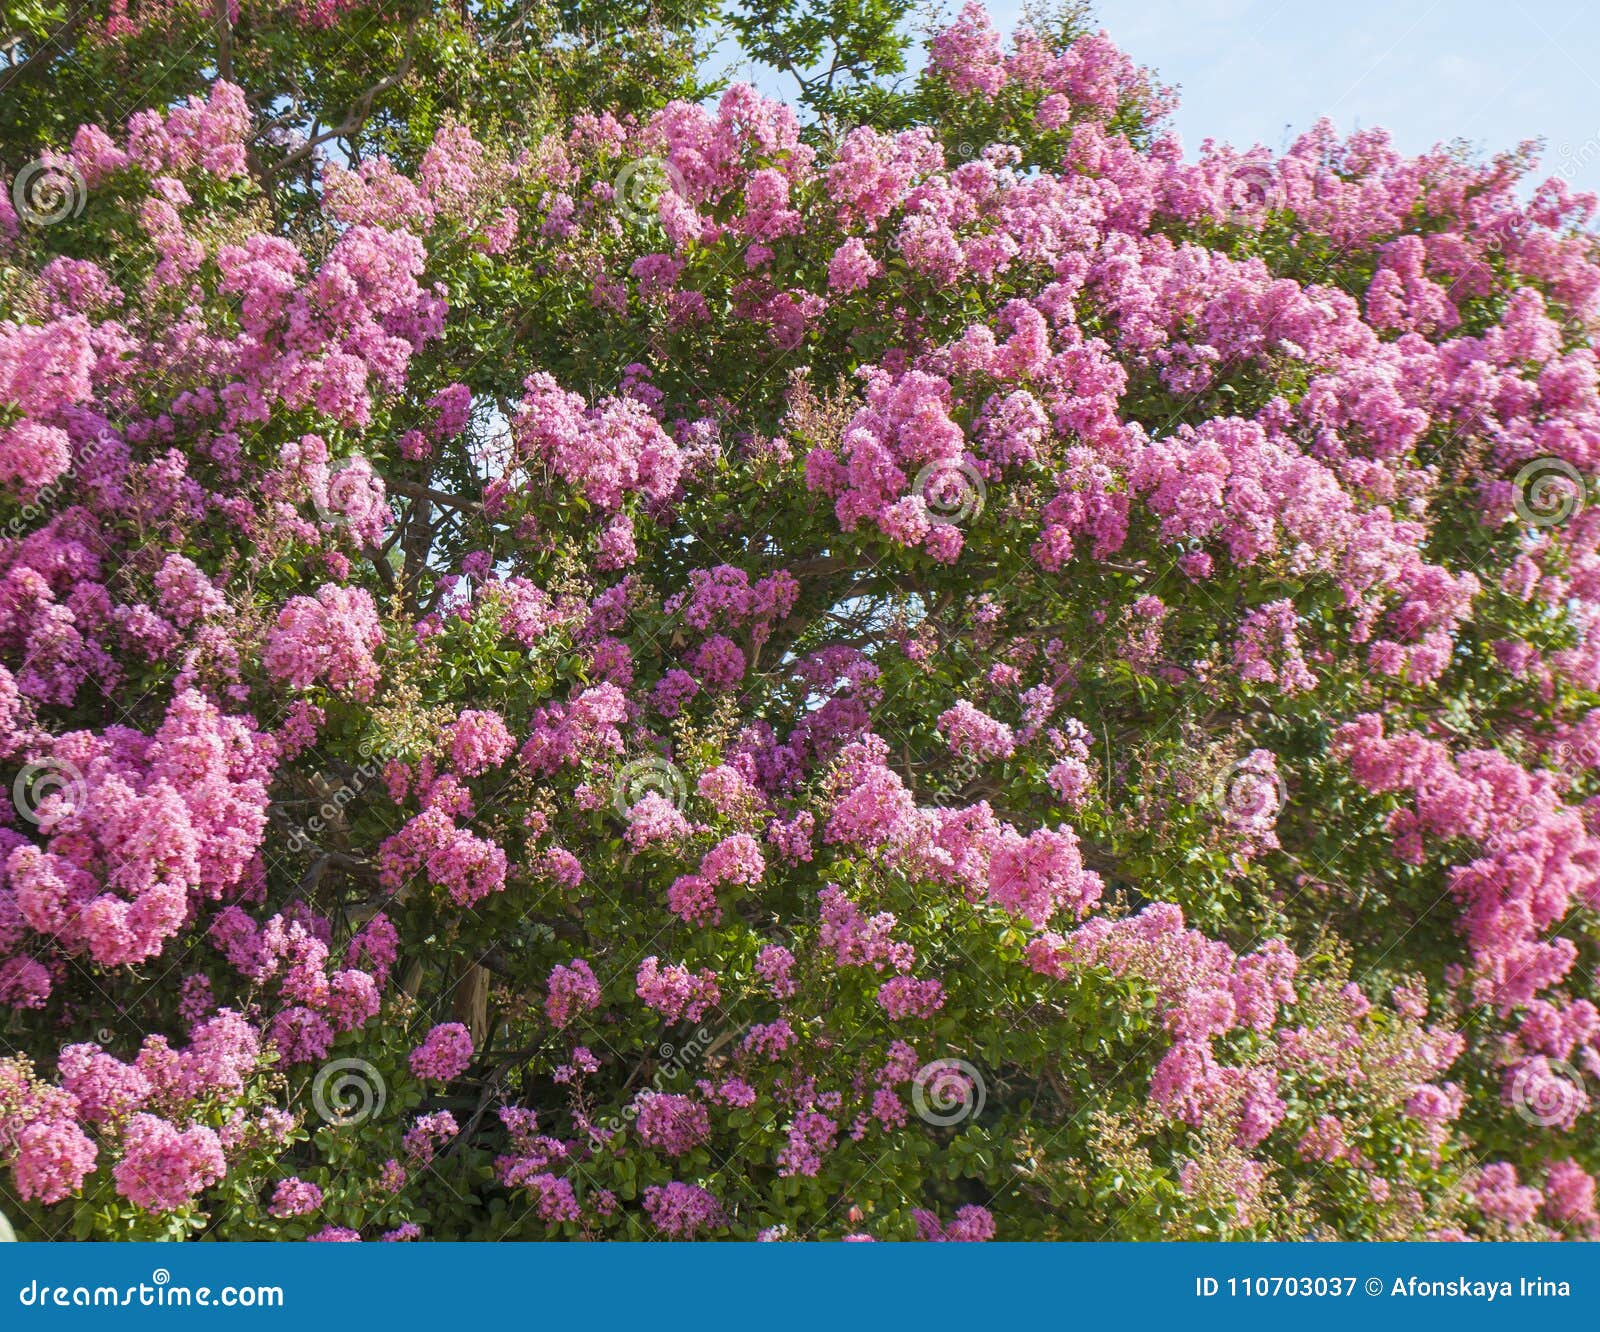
(597, 664)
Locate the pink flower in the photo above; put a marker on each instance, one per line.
(478, 742)
(811, 1137)
(569, 991)
(427, 1134)
(670, 1123)
(444, 1053)
(294, 1197)
(675, 992)
(694, 899)
(903, 997)
(469, 867)
(163, 1167)
(735, 859)
(967, 53)
(653, 820)
(852, 267)
(53, 1158)
(682, 1211)
(1037, 875)
(974, 734)
(774, 964)
(605, 451)
(972, 1225)
(328, 638)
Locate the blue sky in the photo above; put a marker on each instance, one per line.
(1491, 73)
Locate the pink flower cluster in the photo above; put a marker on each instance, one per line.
(1235, 442)
(675, 992)
(682, 1211)
(468, 867)
(1537, 858)
(571, 990)
(138, 830)
(670, 1123)
(327, 639)
(444, 1053)
(606, 452)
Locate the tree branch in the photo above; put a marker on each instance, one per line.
(57, 43)
(219, 17)
(354, 118)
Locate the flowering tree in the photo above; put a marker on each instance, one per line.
(678, 670)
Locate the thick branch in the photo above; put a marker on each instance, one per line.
(442, 497)
(57, 43)
(354, 118)
(219, 17)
